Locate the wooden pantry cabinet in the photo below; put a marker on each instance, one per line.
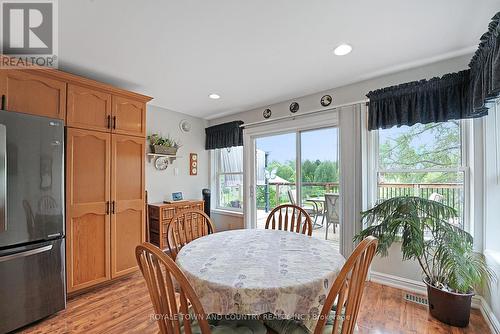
(105, 158)
(105, 205)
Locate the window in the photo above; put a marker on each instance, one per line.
(424, 160)
(229, 178)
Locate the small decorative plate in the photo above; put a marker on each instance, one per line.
(161, 163)
(326, 100)
(185, 126)
(267, 113)
(294, 107)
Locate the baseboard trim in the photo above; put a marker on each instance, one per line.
(417, 287)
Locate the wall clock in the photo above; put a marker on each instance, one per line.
(161, 163)
(326, 100)
(193, 164)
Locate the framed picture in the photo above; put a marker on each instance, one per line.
(177, 196)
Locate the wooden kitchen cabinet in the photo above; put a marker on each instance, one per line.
(128, 228)
(88, 218)
(88, 108)
(33, 93)
(129, 116)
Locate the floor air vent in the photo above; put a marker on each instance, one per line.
(416, 299)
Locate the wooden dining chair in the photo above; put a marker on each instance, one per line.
(289, 217)
(341, 307)
(185, 227)
(177, 308)
(347, 291)
(173, 307)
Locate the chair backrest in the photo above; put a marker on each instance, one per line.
(291, 196)
(185, 227)
(436, 197)
(347, 290)
(288, 217)
(162, 278)
(332, 207)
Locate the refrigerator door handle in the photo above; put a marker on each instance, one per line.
(3, 178)
(26, 253)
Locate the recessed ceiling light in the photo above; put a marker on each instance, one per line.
(342, 49)
(214, 96)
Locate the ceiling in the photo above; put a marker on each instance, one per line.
(259, 52)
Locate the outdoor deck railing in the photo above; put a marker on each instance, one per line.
(452, 193)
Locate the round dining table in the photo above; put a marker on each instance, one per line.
(255, 272)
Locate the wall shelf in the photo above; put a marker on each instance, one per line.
(161, 161)
(155, 156)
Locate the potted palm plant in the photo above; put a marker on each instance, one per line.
(451, 269)
(163, 145)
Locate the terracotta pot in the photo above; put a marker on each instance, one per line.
(449, 307)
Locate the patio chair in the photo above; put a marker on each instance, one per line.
(436, 197)
(176, 304)
(185, 227)
(311, 211)
(332, 213)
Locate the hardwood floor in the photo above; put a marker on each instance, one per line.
(124, 307)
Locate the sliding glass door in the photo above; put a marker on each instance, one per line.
(302, 168)
(275, 160)
(319, 181)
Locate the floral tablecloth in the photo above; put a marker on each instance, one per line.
(255, 272)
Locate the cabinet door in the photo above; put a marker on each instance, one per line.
(129, 116)
(88, 108)
(88, 161)
(128, 227)
(28, 92)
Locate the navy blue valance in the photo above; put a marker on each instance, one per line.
(453, 96)
(224, 135)
(424, 101)
(485, 69)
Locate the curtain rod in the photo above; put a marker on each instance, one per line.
(313, 112)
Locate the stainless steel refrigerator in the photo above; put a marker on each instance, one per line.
(32, 254)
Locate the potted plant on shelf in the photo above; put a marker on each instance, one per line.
(163, 145)
(452, 270)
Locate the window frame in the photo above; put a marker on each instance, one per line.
(218, 173)
(373, 170)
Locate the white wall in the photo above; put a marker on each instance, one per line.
(161, 184)
(392, 265)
